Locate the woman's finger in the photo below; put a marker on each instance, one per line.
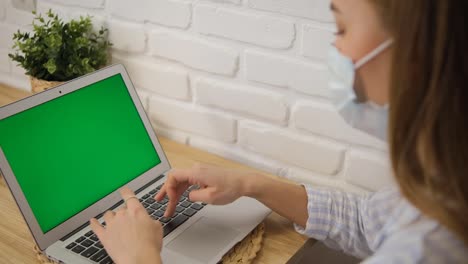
(109, 216)
(120, 211)
(130, 199)
(173, 200)
(201, 195)
(182, 176)
(97, 228)
(160, 195)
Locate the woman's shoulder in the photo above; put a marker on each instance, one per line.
(421, 242)
(408, 234)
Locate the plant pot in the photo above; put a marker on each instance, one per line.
(38, 85)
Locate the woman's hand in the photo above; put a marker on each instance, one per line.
(218, 186)
(130, 235)
(221, 186)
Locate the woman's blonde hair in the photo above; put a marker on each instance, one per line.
(429, 106)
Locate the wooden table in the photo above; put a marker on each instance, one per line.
(16, 243)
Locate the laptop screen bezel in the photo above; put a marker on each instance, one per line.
(44, 240)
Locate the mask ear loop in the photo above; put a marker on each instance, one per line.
(358, 87)
(373, 53)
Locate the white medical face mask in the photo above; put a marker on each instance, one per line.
(349, 97)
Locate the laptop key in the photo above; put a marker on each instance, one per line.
(179, 209)
(107, 260)
(87, 243)
(155, 206)
(80, 239)
(189, 212)
(150, 201)
(150, 211)
(99, 256)
(174, 215)
(158, 213)
(196, 206)
(165, 219)
(155, 217)
(94, 237)
(98, 244)
(146, 196)
(78, 249)
(71, 245)
(89, 252)
(174, 224)
(89, 233)
(145, 205)
(153, 191)
(185, 204)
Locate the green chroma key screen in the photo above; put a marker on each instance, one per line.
(74, 150)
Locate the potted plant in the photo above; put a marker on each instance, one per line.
(58, 51)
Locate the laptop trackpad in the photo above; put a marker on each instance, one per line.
(203, 240)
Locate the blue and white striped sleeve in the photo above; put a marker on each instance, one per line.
(382, 224)
(338, 219)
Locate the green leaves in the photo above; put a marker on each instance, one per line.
(51, 66)
(60, 51)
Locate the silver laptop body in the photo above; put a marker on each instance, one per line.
(203, 237)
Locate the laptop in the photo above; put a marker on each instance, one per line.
(64, 154)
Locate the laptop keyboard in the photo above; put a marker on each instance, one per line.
(90, 247)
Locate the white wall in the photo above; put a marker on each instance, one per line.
(245, 79)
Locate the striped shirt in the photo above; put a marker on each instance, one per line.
(382, 227)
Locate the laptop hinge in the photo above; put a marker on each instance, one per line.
(111, 208)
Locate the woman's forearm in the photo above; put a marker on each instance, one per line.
(287, 199)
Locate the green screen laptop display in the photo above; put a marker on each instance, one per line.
(72, 151)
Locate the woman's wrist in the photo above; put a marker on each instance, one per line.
(252, 185)
(152, 257)
(271, 192)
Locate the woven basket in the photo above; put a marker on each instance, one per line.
(41, 85)
(243, 253)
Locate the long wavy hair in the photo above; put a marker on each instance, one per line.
(428, 130)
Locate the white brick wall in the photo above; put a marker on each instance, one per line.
(316, 10)
(81, 3)
(305, 152)
(18, 17)
(263, 30)
(331, 124)
(4, 61)
(375, 176)
(3, 6)
(129, 37)
(194, 52)
(164, 12)
(246, 100)
(6, 34)
(312, 48)
(191, 119)
(246, 80)
(309, 78)
(157, 78)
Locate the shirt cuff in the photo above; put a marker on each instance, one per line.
(316, 226)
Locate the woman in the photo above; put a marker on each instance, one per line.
(410, 55)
